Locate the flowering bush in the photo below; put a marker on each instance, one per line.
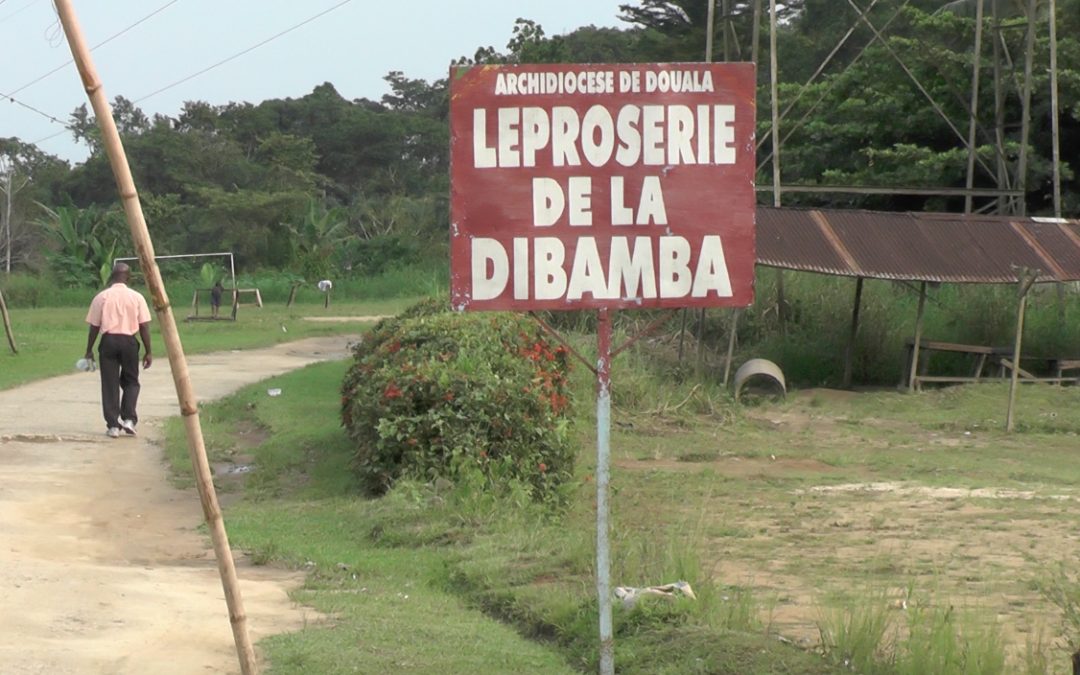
(478, 398)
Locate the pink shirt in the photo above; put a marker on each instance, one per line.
(118, 310)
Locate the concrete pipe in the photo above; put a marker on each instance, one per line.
(761, 370)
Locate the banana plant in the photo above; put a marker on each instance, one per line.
(316, 238)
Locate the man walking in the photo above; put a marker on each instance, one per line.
(118, 313)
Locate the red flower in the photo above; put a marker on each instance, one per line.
(412, 441)
(391, 391)
(543, 467)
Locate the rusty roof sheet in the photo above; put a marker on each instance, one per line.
(939, 247)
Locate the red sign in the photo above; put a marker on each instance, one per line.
(602, 186)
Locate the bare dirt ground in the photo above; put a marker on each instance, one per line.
(102, 569)
(822, 508)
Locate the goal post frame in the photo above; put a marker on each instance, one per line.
(232, 262)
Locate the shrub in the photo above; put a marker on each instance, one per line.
(478, 399)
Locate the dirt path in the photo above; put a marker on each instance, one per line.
(102, 570)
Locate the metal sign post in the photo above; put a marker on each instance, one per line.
(606, 187)
(603, 479)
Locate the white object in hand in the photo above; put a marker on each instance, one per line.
(85, 365)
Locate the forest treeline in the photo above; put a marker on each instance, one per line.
(323, 185)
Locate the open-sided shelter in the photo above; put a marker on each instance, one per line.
(917, 247)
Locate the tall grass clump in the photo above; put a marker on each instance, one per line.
(873, 636)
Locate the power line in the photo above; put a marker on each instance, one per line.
(100, 44)
(49, 137)
(239, 54)
(19, 10)
(29, 107)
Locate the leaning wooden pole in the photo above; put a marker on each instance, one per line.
(7, 325)
(1026, 278)
(913, 372)
(144, 248)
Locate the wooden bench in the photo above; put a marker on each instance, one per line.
(981, 353)
(1001, 357)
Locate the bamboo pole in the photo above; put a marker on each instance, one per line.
(7, 324)
(973, 122)
(182, 379)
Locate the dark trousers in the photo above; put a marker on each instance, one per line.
(118, 358)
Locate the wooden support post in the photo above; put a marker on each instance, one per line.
(973, 121)
(755, 40)
(1055, 124)
(727, 29)
(7, 324)
(913, 373)
(710, 24)
(999, 111)
(774, 87)
(682, 339)
(292, 294)
(701, 345)
(1025, 278)
(731, 344)
(1025, 121)
(849, 353)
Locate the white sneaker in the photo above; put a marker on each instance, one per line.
(113, 432)
(128, 426)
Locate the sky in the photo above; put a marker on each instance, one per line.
(353, 47)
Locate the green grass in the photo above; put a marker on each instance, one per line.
(481, 575)
(50, 340)
(729, 499)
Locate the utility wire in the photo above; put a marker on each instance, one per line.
(30, 107)
(49, 137)
(239, 54)
(100, 44)
(19, 10)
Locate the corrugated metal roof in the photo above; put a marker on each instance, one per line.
(941, 247)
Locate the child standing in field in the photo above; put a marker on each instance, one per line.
(215, 299)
